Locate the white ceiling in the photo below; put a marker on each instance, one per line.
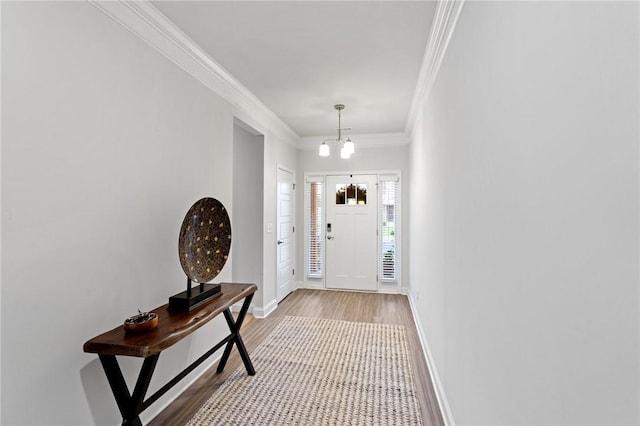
(302, 57)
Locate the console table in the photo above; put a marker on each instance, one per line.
(172, 327)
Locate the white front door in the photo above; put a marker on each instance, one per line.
(351, 232)
(285, 234)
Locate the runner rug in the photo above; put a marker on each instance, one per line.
(320, 372)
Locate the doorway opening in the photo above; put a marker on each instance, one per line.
(248, 209)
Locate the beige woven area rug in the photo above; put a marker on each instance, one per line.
(320, 372)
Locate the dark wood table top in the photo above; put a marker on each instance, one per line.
(172, 326)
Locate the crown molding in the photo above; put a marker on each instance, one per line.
(372, 140)
(444, 22)
(145, 21)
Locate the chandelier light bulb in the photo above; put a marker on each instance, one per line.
(349, 146)
(344, 153)
(324, 151)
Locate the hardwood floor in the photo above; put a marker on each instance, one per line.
(348, 306)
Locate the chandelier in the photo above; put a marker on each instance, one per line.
(347, 144)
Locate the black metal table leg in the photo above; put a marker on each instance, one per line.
(234, 327)
(130, 406)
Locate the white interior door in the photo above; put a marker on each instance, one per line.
(351, 246)
(285, 234)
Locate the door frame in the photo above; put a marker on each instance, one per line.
(294, 233)
(390, 287)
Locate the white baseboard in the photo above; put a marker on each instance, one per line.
(314, 286)
(263, 312)
(387, 291)
(435, 379)
(386, 287)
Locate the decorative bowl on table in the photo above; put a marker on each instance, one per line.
(142, 322)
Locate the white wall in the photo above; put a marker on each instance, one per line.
(524, 214)
(105, 146)
(277, 154)
(248, 188)
(367, 159)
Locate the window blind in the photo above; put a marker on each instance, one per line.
(388, 232)
(314, 228)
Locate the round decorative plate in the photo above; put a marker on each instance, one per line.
(205, 240)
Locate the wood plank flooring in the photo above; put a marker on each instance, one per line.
(340, 305)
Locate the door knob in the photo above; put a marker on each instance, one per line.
(329, 237)
(280, 242)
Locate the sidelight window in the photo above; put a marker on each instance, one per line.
(314, 220)
(389, 193)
